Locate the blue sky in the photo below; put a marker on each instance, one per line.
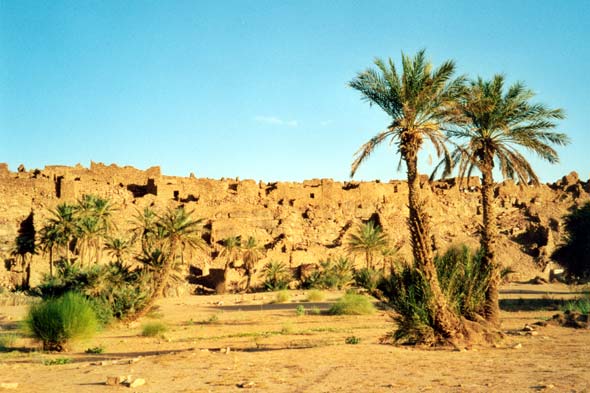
(258, 89)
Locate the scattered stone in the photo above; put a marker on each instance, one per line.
(113, 381)
(517, 346)
(8, 385)
(246, 385)
(138, 382)
(527, 328)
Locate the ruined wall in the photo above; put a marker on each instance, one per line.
(297, 222)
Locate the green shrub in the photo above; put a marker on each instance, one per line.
(331, 275)
(95, 350)
(282, 297)
(300, 310)
(315, 296)
(57, 321)
(368, 279)
(352, 304)
(353, 340)
(580, 305)
(277, 276)
(574, 253)
(7, 341)
(463, 281)
(153, 329)
(57, 361)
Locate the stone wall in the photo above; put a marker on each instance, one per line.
(297, 222)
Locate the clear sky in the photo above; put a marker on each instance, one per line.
(258, 89)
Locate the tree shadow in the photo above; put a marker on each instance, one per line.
(536, 304)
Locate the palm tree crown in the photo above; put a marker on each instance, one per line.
(420, 102)
(497, 124)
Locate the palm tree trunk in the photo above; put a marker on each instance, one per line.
(488, 244)
(51, 261)
(446, 323)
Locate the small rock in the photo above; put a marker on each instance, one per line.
(527, 328)
(8, 385)
(517, 346)
(246, 385)
(137, 382)
(113, 381)
(533, 333)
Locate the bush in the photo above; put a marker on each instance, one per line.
(7, 341)
(331, 275)
(368, 279)
(463, 280)
(57, 321)
(282, 297)
(315, 296)
(300, 310)
(114, 289)
(580, 305)
(574, 254)
(153, 329)
(277, 276)
(352, 304)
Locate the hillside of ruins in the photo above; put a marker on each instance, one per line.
(298, 223)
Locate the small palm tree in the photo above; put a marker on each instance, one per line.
(421, 102)
(49, 241)
(369, 240)
(231, 251)
(117, 248)
(64, 223)
(498, 123)
(252, 253)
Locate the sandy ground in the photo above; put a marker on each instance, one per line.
(272, 349)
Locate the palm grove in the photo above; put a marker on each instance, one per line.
(474, 125)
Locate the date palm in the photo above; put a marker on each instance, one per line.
(500, 122)
(63, 220)
(421, 102)
(230, 252)
(252, 253)
(49, 241)
(368, 240)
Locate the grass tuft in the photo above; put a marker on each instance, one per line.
(153, 329)
(352, 304)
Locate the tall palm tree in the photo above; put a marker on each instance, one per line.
(420, 103)
(252, 253)
(499, 122)
(369, 239)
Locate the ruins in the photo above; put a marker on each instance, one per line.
(298, 223)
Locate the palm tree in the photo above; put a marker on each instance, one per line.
(117, 247)
(252, 253)
(498, 123)
(173, 230)
(231, 249)
(420, 103)
(368, 240)
(96, 222)
(64, 223)
(49, 240)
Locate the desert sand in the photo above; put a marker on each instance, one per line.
(272, 349)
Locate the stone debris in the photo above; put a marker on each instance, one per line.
(125, 381)
(8, 385)
(517, 346)
(246, 385)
